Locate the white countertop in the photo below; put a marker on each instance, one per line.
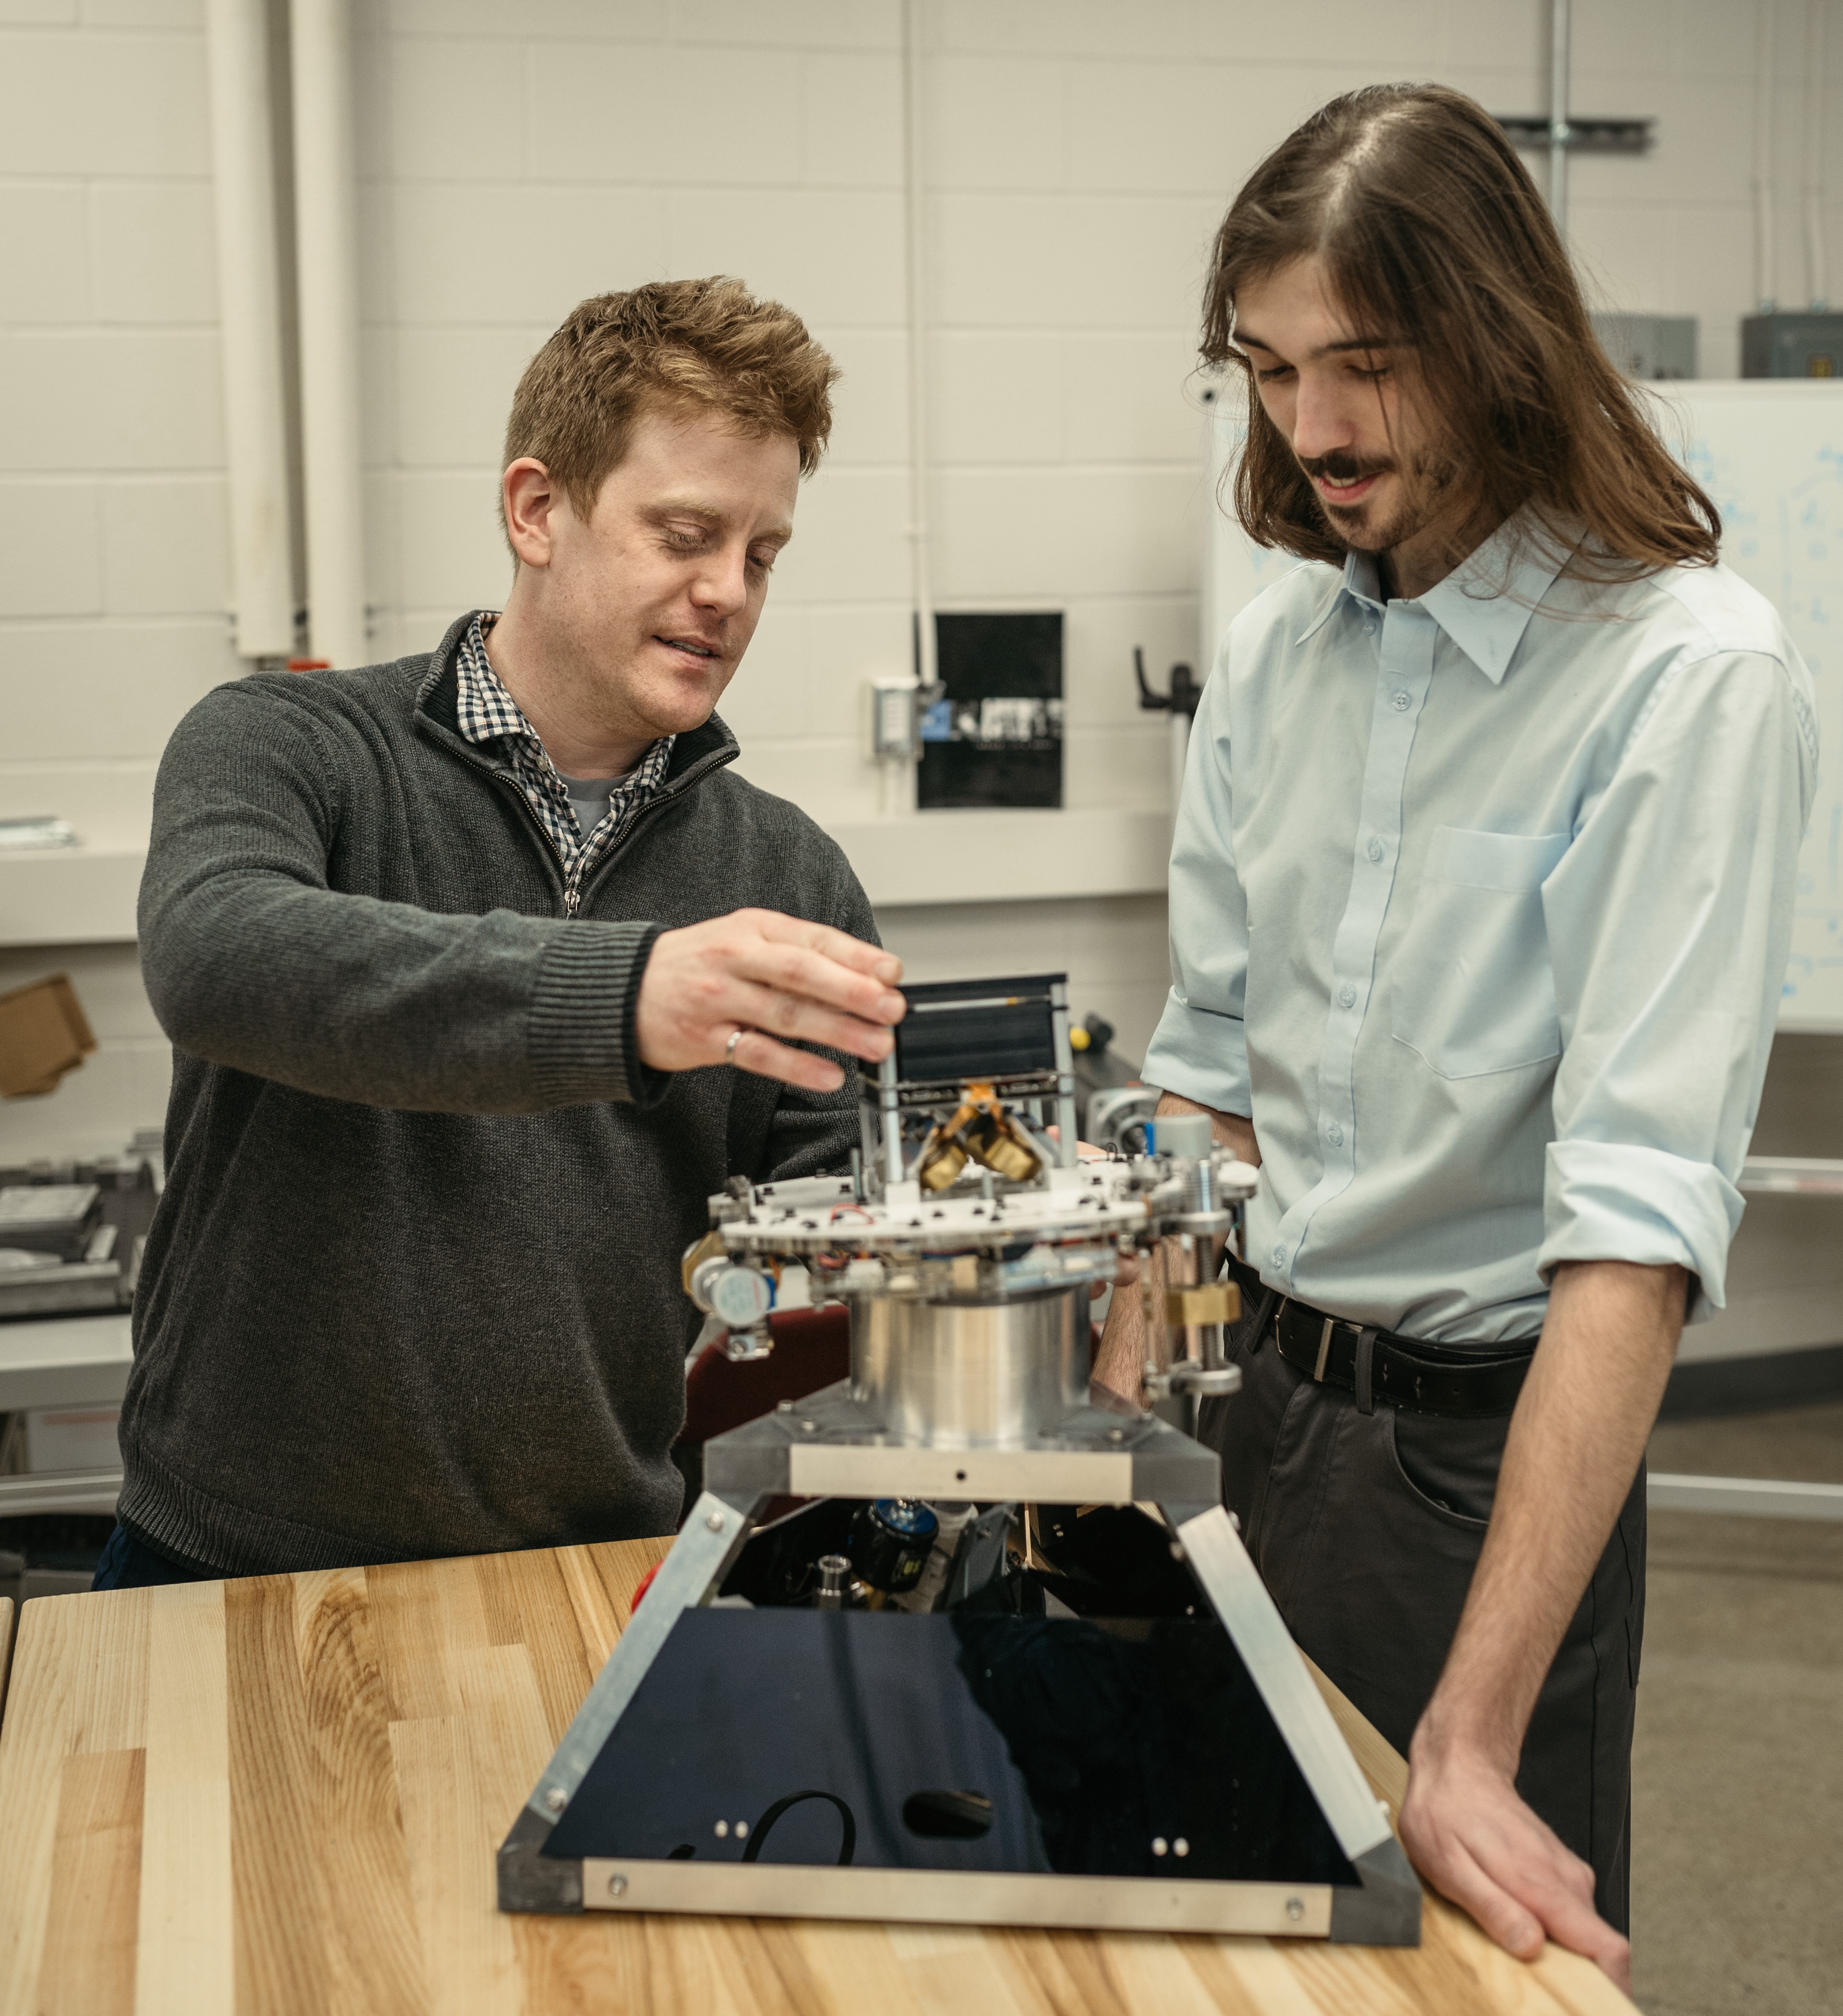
(64, 1361)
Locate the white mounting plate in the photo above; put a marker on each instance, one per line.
(1099, 1201)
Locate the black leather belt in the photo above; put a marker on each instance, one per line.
(1376, 1365)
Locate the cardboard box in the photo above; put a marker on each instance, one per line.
(44, 1033)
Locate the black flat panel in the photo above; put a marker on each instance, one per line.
(1077, 1742)
(976, 1040)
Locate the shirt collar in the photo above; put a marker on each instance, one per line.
(1484, 605)
(485, 710)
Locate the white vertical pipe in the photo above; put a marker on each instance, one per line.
(921, 581)
(327, 239)
(1817, 267)
(249, 312)
(1766, 92)
(1558, 107)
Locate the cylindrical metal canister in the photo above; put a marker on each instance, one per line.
(971, 1375)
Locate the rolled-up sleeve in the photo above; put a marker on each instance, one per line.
(1669, 920)
(1200, 1048)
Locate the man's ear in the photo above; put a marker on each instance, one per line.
(530, 499)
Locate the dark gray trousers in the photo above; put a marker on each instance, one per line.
(1366, 1528)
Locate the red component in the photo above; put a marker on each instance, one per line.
(309, 664)
(645, 1584)
(812, 1348)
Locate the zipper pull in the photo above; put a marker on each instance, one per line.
(572, 900)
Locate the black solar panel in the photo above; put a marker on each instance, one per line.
(977, 1028)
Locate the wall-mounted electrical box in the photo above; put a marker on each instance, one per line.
(1649, 345)
(994, 737)
(1793, 342)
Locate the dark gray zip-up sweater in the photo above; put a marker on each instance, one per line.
(412, 1288)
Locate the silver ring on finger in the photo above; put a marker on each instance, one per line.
(735, 1036)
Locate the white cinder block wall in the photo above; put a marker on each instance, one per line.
(515, 158)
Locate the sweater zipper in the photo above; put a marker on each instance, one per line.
(503, 780)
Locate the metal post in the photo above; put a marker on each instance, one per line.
(1558, 127)
(1065, 1076)
(892, 1120)
(326, 256)
(1766, 92)
(249, 289)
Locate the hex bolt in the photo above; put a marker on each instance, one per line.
(715, 1522)
(617, 1886)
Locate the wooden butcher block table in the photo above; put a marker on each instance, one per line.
(286, 1795)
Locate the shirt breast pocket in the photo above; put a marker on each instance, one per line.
(1474, 989)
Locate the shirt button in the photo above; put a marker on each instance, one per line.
(1279, 1256)
(1334, 1134)
(1347, 996)
(1374, 850)
(1400, 702)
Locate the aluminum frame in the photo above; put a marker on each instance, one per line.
(1095, 1457)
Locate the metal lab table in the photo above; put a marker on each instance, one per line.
(286, 1794)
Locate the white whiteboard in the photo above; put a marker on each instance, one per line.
(1769, 452)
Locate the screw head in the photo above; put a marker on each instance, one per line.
(555, 1799)
(1295, 1909)
(617, 1886)
(713, 1521)
(1116, 1434)
(1159, 1844)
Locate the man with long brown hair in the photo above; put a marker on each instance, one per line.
(1481, 898)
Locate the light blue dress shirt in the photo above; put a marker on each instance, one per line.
(1480, 903)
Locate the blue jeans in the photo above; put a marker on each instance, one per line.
(126, 1564)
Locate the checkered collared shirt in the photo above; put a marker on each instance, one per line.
(488, 713)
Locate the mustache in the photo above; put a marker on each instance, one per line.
(1342, 468)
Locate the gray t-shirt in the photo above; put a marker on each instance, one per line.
(588, 798)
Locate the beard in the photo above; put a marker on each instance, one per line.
(1426, 495)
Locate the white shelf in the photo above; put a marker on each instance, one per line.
(64, 1361)
(60, 1491)
(70, 895)
(994, 857)
(1793, 1175)
(86, 895)
(1756, 1497)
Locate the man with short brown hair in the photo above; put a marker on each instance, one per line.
(482, 971)
(1481, 898)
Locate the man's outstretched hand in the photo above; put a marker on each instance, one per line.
(781, 980)
(1475, 1841)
